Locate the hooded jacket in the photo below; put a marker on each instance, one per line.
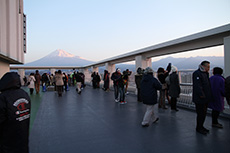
(149, 87)
(14, 115)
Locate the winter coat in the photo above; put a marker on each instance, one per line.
(218, 93)
(138, 79)
(59, 79)
(15, 107)
(227, 89)
(38, 78)
(78, 77)
(115, 77)
(121, 82)
(31, 80)
(174, 88)
(201, 87)
(149, 87)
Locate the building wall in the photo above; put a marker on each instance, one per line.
(4, 67)
(11, 32)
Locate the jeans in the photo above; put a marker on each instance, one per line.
(122, 94)
(115, 91)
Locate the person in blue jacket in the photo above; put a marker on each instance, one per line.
(149, 87)
(201, 95)
(218, 92)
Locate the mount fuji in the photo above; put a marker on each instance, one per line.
(60, 58)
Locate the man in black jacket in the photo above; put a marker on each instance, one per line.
(14, 115)
(115, 77)
(149, 87)
(201, 94)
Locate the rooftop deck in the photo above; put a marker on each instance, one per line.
(93, 123)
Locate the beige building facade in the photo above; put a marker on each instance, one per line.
(12, 34)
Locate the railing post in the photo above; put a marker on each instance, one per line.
(110, 68)
(52, 71)
(227, 56)
(21, 72)
(94, 69)
(179, 75)
(87, 75)
(143, 62)
(227, 64)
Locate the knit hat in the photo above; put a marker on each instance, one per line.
(148, 70)
(173, 68)
(118, 70)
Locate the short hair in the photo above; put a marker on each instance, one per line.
(217, 70)
(59, 71)
(205, 62)
(160, 69)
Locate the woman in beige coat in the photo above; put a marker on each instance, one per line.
(59, 82)
(31, 83)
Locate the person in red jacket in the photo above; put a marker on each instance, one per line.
(15, 107)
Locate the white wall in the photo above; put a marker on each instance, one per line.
(11, 32)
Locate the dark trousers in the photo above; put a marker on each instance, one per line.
(173, 102)
(201, 110)
(31, 90)
(65, 84)
(94, 84)
(116, 91)
(139, 98)
(59, 90)
(215, 115)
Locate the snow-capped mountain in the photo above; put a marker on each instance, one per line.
(60, 53)
(60, 57)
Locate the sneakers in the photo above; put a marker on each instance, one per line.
(116, 100)
(123, 102)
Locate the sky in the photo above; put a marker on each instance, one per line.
(100, 29)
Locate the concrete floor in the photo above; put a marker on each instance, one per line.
(93, 123)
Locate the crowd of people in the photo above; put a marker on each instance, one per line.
(60, 81)
(208, 92)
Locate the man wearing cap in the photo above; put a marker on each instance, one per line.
(149, 87)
